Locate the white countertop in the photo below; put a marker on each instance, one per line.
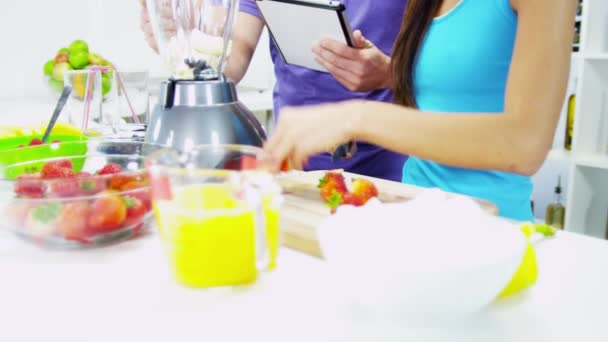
(125, 293)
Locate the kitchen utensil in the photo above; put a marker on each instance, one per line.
(67, 90)
(218, 221)
(198, 105)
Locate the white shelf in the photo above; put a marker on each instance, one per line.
(560, 155)
(596, 57)
(594, 161)
(586, 195)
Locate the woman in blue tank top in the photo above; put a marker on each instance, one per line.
(478, 86)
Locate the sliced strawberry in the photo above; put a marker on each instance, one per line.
(29, 185)
(110, 169)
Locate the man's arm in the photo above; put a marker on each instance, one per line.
(245, 37)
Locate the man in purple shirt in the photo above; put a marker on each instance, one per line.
(362, 72)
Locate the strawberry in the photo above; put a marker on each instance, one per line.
(72, 221)
(90, 184)
(132, 185)
(285, 166)
(119, 181)
(29, 185)
(144, 196)
(40, 220)
(332, 182)
(135, 210)
(110, 169)
(57, 169)
(35, 141)
(338, 199)
(364, 190)
(64, 188)
(351, 199)
(107, 213)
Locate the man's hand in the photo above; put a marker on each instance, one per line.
(362, 68)
(146, 26)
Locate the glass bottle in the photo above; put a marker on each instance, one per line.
(570, 119)
(556, 212)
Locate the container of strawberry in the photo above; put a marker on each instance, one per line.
(78, 201)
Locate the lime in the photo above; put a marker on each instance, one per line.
(79, 59)
(106, 85)
(63, 50)
(79, 46)
(55, 85)
(48, 67)
(59, 70)
(95, 59)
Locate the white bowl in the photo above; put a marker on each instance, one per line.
(431, 256)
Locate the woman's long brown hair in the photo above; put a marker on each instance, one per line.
(418, 17)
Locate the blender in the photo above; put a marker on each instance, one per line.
(197, 104)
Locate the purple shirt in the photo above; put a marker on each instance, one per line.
(379, 21)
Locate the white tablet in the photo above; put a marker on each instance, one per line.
(296, 25)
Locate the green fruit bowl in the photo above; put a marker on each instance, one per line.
(11, 153)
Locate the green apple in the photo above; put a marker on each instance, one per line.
(79, 60)
(78, 46)
(48, 67)
(63, 50)
(60, 69)
(106, 85)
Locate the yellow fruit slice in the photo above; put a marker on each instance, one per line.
(525, 276)
(527, 273)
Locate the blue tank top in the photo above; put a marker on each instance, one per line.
(463, 66)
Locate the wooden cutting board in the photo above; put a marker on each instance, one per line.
(304, 210)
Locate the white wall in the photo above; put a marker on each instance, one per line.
(31, 32)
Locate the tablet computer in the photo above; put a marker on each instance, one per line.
(296, 25)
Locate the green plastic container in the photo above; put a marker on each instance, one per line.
(11, 154)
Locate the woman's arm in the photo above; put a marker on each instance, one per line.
(516, 141)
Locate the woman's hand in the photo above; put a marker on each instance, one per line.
(362, 68)
(305, 131)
